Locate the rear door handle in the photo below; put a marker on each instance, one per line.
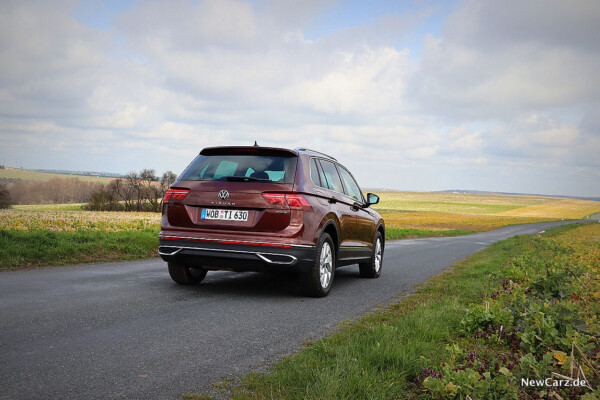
(332, 199)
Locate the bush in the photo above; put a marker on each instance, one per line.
(5, 200)
(102, 199)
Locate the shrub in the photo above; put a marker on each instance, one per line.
(5, 200)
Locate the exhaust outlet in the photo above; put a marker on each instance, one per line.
(168, 250)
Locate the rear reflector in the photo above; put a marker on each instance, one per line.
(174, 194)
(294, 201)
(225, 241)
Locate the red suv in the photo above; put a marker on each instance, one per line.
(269, 209)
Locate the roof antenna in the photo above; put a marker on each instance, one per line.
(256, 144)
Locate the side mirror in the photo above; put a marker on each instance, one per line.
(372, 199)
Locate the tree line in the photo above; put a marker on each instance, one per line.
(141, 191)
(55, 190)
(137, 191)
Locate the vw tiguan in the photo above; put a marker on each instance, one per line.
(257, 208)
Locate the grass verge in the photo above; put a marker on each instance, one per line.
(26, 249)
(518, 309)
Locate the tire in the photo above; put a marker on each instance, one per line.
(372, 269)
(320, 278)
(185, 275)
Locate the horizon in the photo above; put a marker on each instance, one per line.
(107, 174)
(424, 94)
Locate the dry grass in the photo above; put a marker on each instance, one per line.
(29, 175)
(456, 202)
(560, 208)
(475, 212)
(440, 221)
(430, 212)
(72, 221)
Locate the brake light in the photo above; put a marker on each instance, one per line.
(294, 201)
(275, 198)
(175, 194)
(298, 202)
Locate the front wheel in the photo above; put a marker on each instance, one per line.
(320, 278)
(372, 269)
(185, 275)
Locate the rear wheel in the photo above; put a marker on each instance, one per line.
(320, 278)
(185, 275)
(372, 269)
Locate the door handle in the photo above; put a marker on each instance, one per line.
(333, 200)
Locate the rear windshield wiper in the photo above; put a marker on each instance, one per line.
(246, 178)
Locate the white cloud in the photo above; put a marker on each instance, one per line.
(506, 88)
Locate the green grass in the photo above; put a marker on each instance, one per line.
(400, 233)
(27, 249)
(379, 355)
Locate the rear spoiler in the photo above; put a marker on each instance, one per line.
(248, 151)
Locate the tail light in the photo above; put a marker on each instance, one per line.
(294, 201)
(276, 199)
(298, 202)
(175, 194)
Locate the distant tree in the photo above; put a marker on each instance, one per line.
(167, 179)
(150, 188)
(165, 183)
(141, 191)
(5, 200)
(125, 191)
(99, 200)
(134, 185)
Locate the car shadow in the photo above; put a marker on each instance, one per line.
(256, 284)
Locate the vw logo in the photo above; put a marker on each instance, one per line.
(223, 194)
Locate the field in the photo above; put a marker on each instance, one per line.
(517, 310)
(427, 214)
(35, 235)
(29, 175)
(74, 221)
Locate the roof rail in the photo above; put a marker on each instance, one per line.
(314, 151)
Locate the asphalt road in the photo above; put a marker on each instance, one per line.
(124, 330)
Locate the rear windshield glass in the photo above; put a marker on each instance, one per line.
(244, 168)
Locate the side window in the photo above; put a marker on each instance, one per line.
(332, 176)
(314, 172)
(322, 176)
(350, 184)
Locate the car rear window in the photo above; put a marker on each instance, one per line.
(239, 167)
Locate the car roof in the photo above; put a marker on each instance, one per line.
(314, 152)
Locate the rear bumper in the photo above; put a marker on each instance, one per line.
(236, 255)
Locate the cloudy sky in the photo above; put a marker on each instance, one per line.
(415, 95)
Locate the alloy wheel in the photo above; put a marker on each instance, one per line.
(326, 265)
(378, 255)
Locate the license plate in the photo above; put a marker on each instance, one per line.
(224, 215)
